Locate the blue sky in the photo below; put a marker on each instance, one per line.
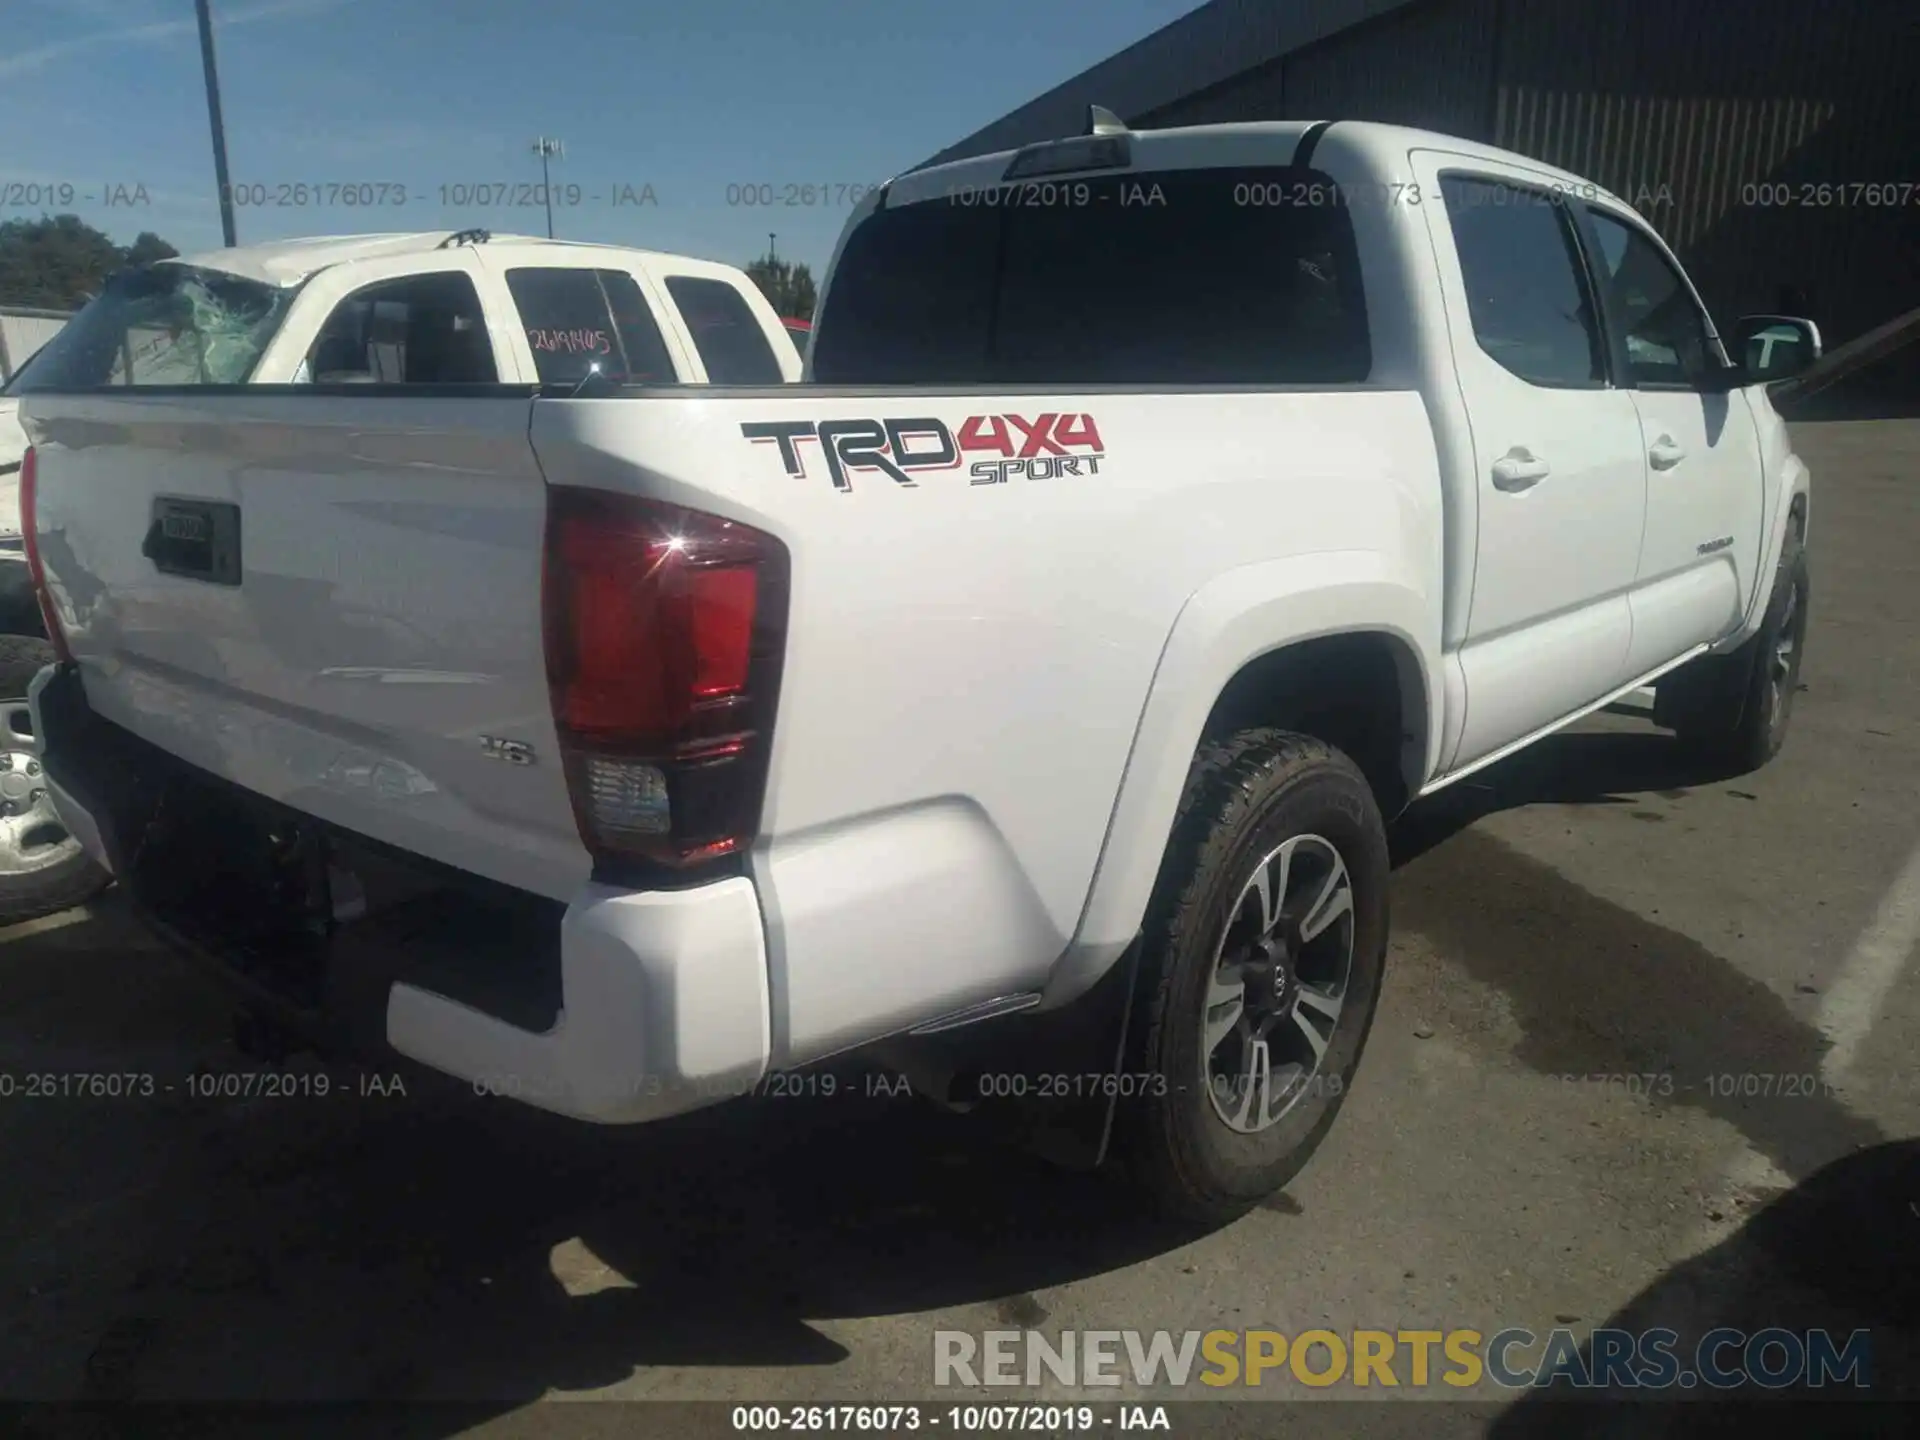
(714, 104)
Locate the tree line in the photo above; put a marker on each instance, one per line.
(787, 286)
(59, 262)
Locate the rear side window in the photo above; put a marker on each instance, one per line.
(725, 331)
(1189, 277)
(417, 330)
(1526, 292)
(577, 319)
(161, 325)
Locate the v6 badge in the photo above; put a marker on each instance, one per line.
(514, 752)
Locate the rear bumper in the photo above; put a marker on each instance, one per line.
(662, 998)
(664, 1010)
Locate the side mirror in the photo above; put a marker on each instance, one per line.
(1775, 347)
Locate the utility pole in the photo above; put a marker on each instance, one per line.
(548, 149)
(219, 126)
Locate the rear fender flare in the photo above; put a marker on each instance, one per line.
(1235, 619)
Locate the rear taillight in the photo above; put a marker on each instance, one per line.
(29, 535)
(665, 629)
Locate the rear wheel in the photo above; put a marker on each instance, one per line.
(1264, 951)
(42, 867)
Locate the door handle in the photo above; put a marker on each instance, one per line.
(1664, 454)
(1519, 469)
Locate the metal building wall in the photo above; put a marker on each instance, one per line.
(1209, 46)
(1721, 120)
(1431, 66)
(1256, 94)
(1748, 133)
(1428, 65)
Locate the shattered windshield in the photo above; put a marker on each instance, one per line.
(162, 325)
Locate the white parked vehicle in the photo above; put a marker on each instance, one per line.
(412, 309)
(42, 867)
(1166, 511)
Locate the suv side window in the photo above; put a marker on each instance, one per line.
(417, 330)
(731, 343)
(575, 319)
(1527, 291)
(1667, 334)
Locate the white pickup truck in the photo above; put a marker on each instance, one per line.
(467, 308)
(1164, 512)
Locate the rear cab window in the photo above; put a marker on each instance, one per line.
(162, 325)
(426, 329)
(733, 347)
(580, 322)
(1174, 277)
(1527, 295)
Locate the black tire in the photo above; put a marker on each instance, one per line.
(1734, 711)
(1245, 798)
(67, 879)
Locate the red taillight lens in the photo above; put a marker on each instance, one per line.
(29, 535)
(664, 634)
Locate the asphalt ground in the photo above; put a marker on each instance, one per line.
(1644, 1058)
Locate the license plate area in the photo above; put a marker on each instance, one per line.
(195, 539)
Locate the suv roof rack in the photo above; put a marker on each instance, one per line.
(465, 237)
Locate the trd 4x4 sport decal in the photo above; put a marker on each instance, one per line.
(1043, 448)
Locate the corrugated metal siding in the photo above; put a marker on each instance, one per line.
(1256, 95)
(1200, 50)
(1687, 108)
(1430, 66)
(1425, 64)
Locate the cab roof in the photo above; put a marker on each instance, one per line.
(289, 262)
(1377, 147)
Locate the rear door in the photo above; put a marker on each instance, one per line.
(1562, 494)
(567, 322)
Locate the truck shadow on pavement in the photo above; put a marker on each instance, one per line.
(440, 1245)
(435, 1245)
(1597, 989)
(1840, 1251)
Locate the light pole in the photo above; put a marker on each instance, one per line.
(548, 149)
(772, 254)
(219, 127)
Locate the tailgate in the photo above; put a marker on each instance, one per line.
(330, 600)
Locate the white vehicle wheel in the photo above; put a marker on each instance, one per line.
(42, 866)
